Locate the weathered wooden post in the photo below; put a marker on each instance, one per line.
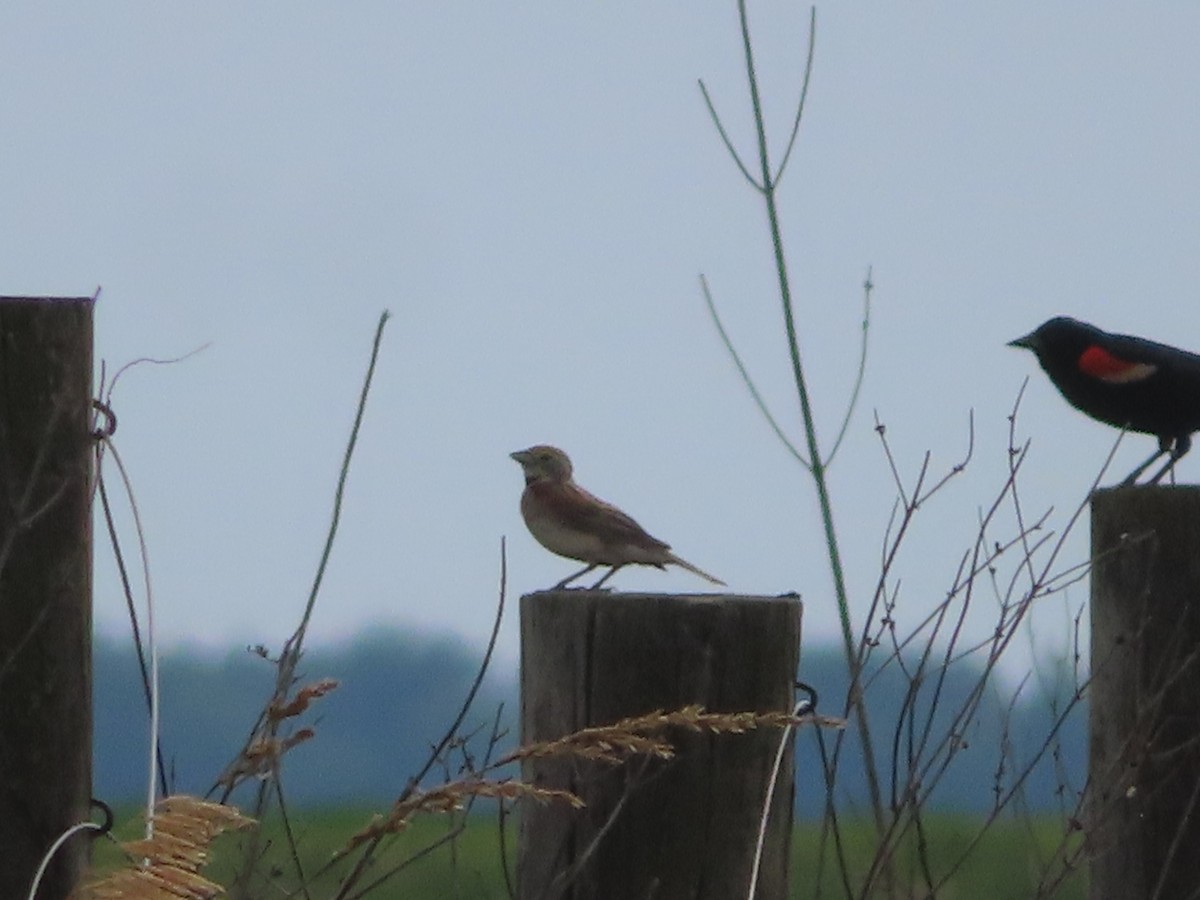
(1143, 826)
(45, 588)
(667, 830)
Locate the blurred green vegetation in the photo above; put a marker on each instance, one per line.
(1008, 863)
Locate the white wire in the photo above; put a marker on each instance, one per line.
(766, 812)
(152, 788)
(54, 848)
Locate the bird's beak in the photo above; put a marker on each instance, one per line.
(1028, 342)
(521, 456)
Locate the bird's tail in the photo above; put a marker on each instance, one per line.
(684, 564)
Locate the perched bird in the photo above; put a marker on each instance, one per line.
(1125, 381)
(567, 520)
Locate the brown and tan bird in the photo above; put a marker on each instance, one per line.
(567, 520)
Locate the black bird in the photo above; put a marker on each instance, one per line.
(1128, 382)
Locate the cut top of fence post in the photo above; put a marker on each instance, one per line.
(680, 828)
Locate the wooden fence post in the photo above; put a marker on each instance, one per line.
(667, 830)
(45, 588)
(1143, 822)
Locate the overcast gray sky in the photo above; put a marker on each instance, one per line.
(533, 190)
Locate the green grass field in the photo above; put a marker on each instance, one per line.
(1006, 865)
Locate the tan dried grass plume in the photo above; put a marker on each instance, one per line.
(167, 866)
(450, 797)
(645, 734)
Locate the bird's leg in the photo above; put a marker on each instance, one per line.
(1178, 449)
(611, 573)
(1164, 446)
(562, 584)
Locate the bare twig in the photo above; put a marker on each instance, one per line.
(746, 379)
(370, 846)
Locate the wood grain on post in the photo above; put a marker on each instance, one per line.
(45, 588)
(1144, 777)
(666, 829)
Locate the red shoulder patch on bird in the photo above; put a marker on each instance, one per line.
(1100, 363)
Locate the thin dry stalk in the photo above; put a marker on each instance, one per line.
(351, 886)
(937, 663)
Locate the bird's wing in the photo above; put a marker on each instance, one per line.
(1125, 359)
(1105, 365)
(577, 509)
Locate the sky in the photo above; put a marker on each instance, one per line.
(533, 191)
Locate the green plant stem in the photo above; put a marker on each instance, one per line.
(817, 464)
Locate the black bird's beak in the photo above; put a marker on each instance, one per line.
(1028, 342)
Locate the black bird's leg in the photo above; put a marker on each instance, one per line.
(562, 584)
(1178, 449)
(611, 573)
(1164, 446)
